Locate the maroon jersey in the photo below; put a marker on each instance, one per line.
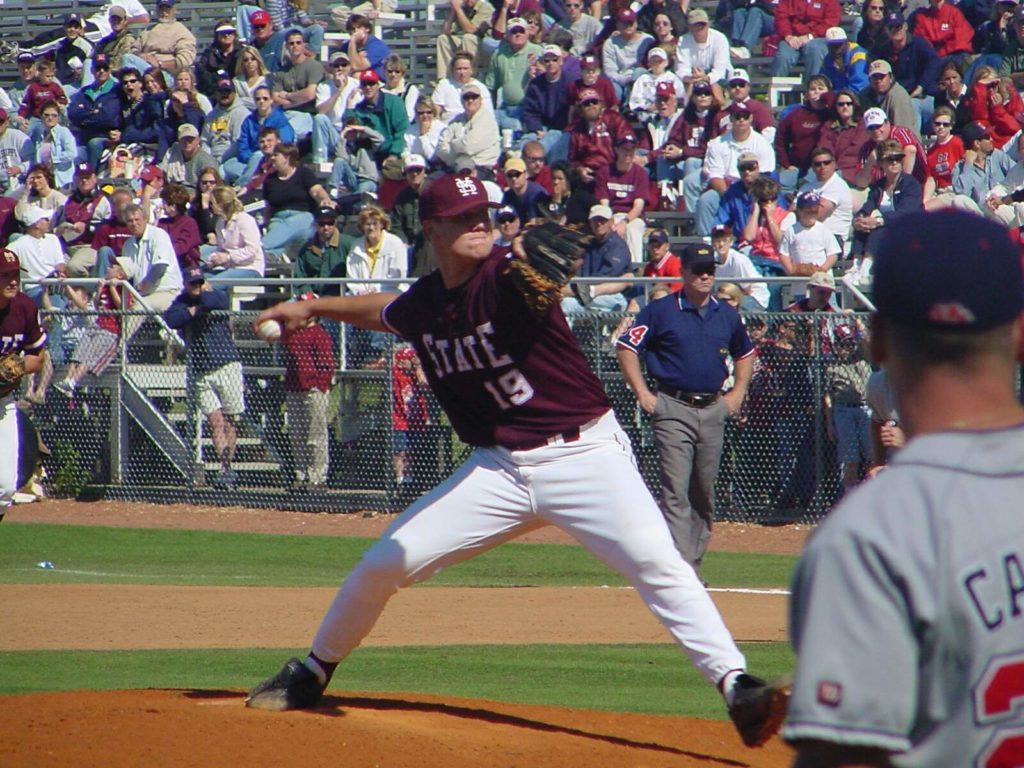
(621, 188)
(502, 378)
(20, 329)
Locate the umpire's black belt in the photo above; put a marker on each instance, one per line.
(692, 399)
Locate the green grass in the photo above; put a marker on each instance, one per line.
(628, 678)
(86, 554)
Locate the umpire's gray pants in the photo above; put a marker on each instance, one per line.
(689, 443)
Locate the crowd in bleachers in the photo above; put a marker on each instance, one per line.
(245, 148)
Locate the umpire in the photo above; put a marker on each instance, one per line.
(685, 339)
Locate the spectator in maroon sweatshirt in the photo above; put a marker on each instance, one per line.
(40, 91)
(799, 132)
(593, 135)
(845, 135)
(739, 98)
(309, 365)
(592, 77)
(182, 228)
(85, 209)
(112, 234)
(802, 25)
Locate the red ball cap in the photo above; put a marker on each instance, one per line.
(453, 195)
(9, 263)
(258, 18)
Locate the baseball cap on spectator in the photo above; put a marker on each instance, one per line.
(697, 16)
(587, 94)
(874, 117)
(664, 88)
(164, 2)
(151, 173)
(657, 52)
(414, 161)
(699, 255)
(453, 195)
(506, 213)
(368, 76)
(337, 57)
(9, 263)
(101, 61)
(702, 89)
(117, 11)
(600, 212)
(845, 333)
(972, 132)
(516, 23)
(590, 61)
(808, 199)
(307, 296)
(822, 280)
(721, 230)
(835, 35)
(894, 20)
(514, 164)
(658, 237)
(326, 213)
(25, 57)
(739, 75)
(627, 140)
(194, 275)
(225, 85)
(748, 157)
(471, 88)
(464, 164)
(880, 67)
(920, 268)
(35, 214)
(187, 129)
(127, 265)
(72, 19)
(551, 50)
(626, 16)
(228, 27)
(259, 18)
(84, 169)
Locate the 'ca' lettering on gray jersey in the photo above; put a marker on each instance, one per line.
(924, 652)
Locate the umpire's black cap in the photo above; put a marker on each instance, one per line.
(699, 255)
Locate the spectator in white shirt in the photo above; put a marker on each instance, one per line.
(156, 265)
(702, 54)
(422, 136)
(733, 264)
(448, 92)
(835, 209)
(620, 54)
(808, 246)
(335, 95)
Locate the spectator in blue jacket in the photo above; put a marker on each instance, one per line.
(95, 110)
(214, 369)
(545, 106)
(846, 64)
(247, 156)
(365, 50)
(141, 115)
(915, 66)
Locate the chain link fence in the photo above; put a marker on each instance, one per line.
(135, 429)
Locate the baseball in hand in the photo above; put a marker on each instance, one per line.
(269, 331)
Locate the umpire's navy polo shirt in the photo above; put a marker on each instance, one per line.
(685, 348)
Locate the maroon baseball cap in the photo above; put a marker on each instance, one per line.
(626, 16)
(665, 88)
(453, 195)
(590, 61)
(151, 173)
(9, 263)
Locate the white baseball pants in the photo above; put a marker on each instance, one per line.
(589, 488)
(10, 454)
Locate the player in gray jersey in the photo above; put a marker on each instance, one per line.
(907, 612)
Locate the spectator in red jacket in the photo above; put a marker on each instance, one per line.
(944, 26)
(846, 135)
(309, 365)
(594, 133)
(799, 132)
(802, 25)
(996, 104)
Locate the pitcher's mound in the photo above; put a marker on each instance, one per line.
(177, 729)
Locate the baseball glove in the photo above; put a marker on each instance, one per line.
(552, 253)
(12, 368)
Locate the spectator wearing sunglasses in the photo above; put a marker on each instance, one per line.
(473, 135)
(915, 65)
(894, 194)
(545, 107)
(527, 198)
(584, 26)
(943, 157)
(982, 167)
(593, 135)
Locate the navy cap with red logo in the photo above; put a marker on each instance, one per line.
(948, 271)
(453, 195)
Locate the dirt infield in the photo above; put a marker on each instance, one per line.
(206, 728)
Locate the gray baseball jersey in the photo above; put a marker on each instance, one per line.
(881, 399)
(908, 609)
